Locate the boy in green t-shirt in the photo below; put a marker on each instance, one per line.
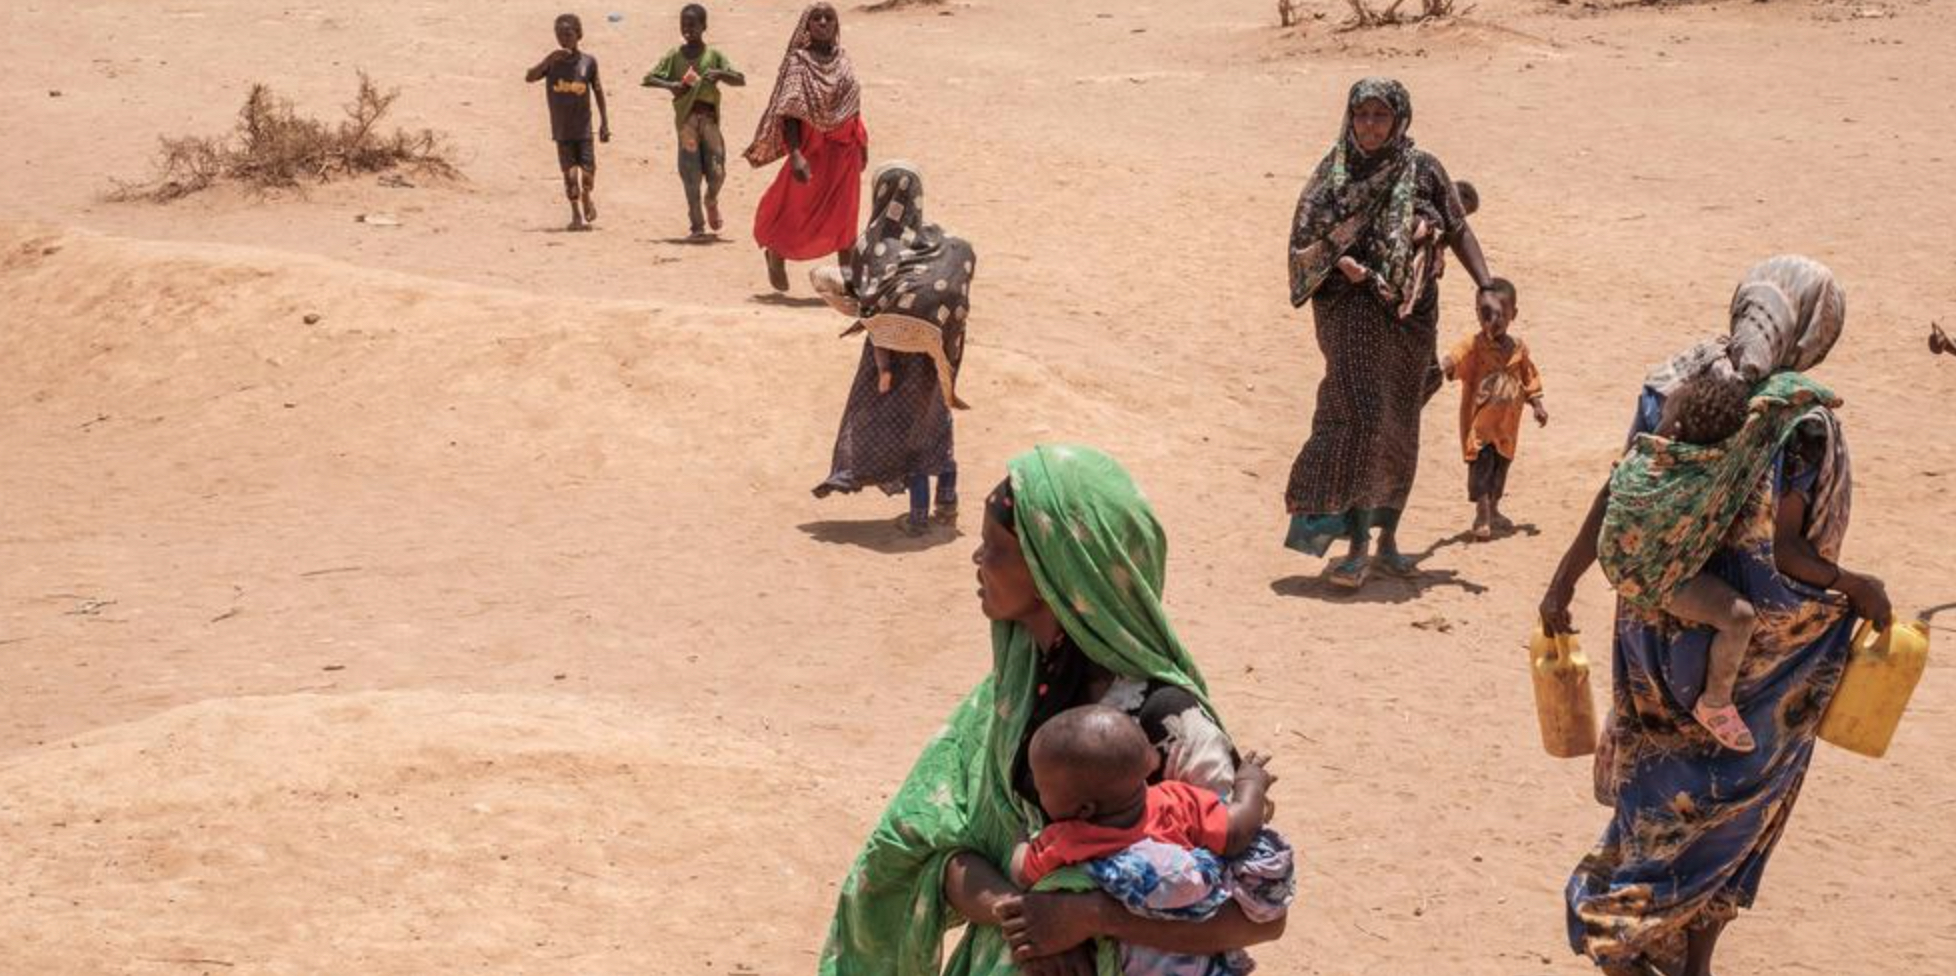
(693, 73)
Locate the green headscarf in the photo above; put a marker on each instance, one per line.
(1098, 557)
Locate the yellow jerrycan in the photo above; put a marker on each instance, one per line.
(1562, 701)
(1882, 669)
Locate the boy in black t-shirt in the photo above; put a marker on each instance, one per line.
(573, 80)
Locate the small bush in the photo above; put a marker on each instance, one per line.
(1363, 15)
(273, 147)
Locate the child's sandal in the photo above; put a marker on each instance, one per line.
(1726, 725)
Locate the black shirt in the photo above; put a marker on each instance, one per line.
(567, 89)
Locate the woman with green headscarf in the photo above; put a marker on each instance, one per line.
(1070, 573)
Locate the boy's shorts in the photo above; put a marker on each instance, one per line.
(1487, 474)
(582, 153)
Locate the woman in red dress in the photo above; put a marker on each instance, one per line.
(814, 119)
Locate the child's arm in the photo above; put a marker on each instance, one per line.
(1246, 802)
(543, 67)
(726, 75)
(653, 79)
(1531, 387)
(604, 116)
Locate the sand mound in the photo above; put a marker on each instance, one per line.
(390, 832)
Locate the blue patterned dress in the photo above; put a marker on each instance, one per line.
(1695, 824)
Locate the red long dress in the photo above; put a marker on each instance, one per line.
(816, 219)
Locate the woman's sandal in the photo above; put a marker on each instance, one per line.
(945, 514)
(1726, 725)
(912, 527)
(1397, 564)
(1349, 573)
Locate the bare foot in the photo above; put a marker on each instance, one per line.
(577, 224)
(713, 216)
(590, 207)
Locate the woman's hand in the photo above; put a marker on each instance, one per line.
(1077, 961)
(1351, 269)
(1489, 306)
(1555, 608)
(798, 165)
(1869, 597)
(1043, 924)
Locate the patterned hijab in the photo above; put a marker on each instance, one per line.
(1786, 314)
(1355, 195)
(1098, 557)
(910, 282)
(823, 95)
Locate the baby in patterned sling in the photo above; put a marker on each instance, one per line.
(1709, 408)
(1170, 850)
(1424, 220)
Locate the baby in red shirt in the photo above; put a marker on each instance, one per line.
(1091, 766)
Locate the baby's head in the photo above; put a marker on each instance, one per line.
(1711, 406)
(1470, 198)
(1090, 762)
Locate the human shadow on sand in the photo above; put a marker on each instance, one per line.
(708, 241)
(1382, 588)
(878, 535)
(779, 300)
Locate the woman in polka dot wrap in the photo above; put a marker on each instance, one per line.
(909, 283)
(1364, 201)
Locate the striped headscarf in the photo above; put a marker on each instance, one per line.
(1786, 314)
(820, 94)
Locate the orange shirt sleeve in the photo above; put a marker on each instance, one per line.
(1462, 353)
(1047, 852)
(1531, 378)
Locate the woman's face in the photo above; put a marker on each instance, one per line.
(822, 25)
(1005, 587)
(1372, 123)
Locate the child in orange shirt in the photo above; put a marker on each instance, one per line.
(1496, 377)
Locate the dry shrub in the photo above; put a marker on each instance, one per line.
(1364, 15)
(273, 147)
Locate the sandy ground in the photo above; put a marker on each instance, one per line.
(487, 624)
